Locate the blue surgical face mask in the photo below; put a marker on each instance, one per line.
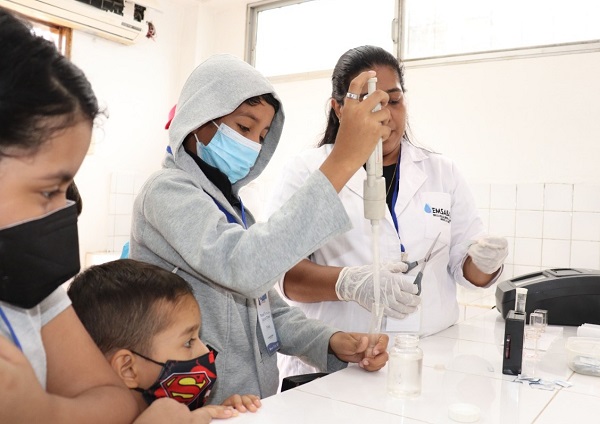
(229, 152)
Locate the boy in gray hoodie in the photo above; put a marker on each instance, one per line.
(188, 218)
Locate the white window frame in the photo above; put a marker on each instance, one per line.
(397, 37)
(63, 34)
(491, 55)
(252, 11)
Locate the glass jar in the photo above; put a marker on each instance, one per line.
(405, 366)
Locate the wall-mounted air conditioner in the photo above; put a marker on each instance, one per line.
(125, 23)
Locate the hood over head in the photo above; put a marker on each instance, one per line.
(215, 89)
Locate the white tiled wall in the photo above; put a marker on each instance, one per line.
(546, 225)
(124, 186)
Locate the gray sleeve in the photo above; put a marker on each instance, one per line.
(305, 338)
(183, 225)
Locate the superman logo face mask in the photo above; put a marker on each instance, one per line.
(188, 382)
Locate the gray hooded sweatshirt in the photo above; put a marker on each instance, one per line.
(178, 226)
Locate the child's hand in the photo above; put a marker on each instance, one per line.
(352, 347)
(243, 403)
(215, 411)
(166, 410)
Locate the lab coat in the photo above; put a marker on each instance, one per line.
(433, 199)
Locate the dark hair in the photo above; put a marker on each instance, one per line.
(349, 65)
(267, 98)
(41, 91)
(119, 302)
(72, 193)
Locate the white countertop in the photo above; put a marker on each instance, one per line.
(462, 364)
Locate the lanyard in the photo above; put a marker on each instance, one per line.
(230, 218)
(263, 307)
(10, 330)
(396, 182)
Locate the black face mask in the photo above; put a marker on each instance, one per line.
(37, 256)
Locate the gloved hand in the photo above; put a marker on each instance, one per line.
(398, 295)
(488, 253)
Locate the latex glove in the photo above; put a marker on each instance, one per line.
(398, 295)
(488, 253)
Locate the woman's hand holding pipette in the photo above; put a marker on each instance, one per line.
(397, 294)
(352, 347)
(359, 131)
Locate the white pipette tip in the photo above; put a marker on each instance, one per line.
(374, 328)
(374, 210)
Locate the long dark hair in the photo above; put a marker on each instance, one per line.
(350, 64)
(41, 91)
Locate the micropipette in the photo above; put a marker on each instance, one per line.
(374, 210)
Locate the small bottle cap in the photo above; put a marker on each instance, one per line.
(407, 340)
(464, 412)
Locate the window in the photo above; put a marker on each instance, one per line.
(299, 36)
(287, 37)
(61, 36)
(434, 28)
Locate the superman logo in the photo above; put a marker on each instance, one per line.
(185, 387)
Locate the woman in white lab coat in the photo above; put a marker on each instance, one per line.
(428, 196)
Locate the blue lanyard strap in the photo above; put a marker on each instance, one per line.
(243, 213)
(396, 182)
(230, 218)
(10, 329)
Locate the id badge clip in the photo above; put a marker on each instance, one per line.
(267, 326)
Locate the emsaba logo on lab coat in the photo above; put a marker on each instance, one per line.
(442, 214)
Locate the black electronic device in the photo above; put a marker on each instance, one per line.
(512, 353)
(570, 295)
(298, 380)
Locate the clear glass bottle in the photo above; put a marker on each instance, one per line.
(405, 366)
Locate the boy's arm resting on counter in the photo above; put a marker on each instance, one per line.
(320, 345)
(167, 410)
(305, 338)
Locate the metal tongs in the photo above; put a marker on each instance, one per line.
(423, 262)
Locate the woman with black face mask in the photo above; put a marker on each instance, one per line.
(50, 369)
